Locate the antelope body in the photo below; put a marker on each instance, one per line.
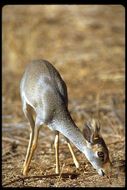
(43, 90)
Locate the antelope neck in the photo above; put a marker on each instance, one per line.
(67, 127)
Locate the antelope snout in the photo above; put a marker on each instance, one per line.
(106, 170)
(101, 172)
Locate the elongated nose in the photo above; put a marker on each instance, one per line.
(101, 172)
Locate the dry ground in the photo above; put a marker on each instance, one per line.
(86, 44)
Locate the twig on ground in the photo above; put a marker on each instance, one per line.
(17, 141)
(23, 178)
(7, 139)
(21, 139)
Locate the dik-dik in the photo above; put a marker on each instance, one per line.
(44, 91)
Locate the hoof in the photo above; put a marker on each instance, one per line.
(25, 172)
(77, 165)
(57, 172)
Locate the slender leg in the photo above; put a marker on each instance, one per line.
(56, 144)
(28, 115)
(33, 147)
(72, 153)
(29, 148)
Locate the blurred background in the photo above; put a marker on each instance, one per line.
(86, 44)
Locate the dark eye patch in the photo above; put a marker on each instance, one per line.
(101, 155)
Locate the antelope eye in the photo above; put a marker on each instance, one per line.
(101, 155)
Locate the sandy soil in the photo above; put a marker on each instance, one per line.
(87, 46)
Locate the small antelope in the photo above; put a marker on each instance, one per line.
(43, 90)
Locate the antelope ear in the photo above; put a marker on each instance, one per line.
(91, 130)
(95, 127)
(87, 132)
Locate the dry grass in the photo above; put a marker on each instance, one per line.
(87, 45)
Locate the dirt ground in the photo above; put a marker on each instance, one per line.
(86, 44)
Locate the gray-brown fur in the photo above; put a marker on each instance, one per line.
(43, 90)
